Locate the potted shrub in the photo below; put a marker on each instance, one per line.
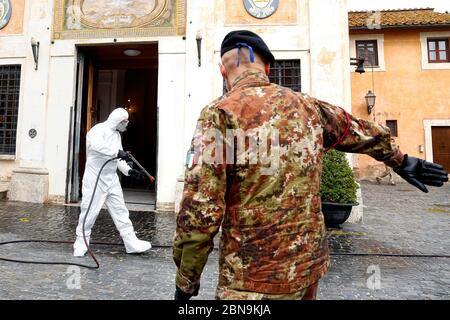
(338, 188)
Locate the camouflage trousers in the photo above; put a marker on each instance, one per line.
(309, 293)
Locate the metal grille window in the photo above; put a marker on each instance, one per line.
(287, 73)
(9, 107)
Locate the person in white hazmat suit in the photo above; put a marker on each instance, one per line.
(103, 142)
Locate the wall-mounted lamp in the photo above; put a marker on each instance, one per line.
(359, 62)
(198, 38)
(35, 48)
(370, 101)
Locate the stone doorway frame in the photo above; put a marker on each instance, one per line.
(428, 125)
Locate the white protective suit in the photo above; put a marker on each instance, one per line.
(103, 142)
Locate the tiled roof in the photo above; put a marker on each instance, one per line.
(398, 18)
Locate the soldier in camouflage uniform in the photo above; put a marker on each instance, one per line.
(273, 242)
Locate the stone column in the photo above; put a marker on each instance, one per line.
(198, 90)
(29, 182)
(330, 62)
(330, 57)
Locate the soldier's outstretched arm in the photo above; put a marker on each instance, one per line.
(203, 203)
(349, 134)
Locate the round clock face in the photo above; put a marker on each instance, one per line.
(261, 8)
(5, 12)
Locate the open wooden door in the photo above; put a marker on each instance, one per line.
(74, 183)
(84, 116)
(92, 111)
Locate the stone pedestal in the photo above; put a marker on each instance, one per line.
(165, 207)
(179, 193)
(4, 186)
(29, 185)
(357, 212)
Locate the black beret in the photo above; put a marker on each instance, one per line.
(252, 39)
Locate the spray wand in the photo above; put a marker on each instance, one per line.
(152, 179)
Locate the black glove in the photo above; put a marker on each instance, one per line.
(122, 155)
(180, 295)
(138, 175)
(419, 173)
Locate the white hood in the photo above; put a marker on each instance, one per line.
(116, 117)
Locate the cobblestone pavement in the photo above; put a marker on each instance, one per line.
(399, 221)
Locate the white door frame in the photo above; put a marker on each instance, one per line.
(428, 124)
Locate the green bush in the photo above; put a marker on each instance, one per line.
(338, 182)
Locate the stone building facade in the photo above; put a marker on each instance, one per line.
(66, 63)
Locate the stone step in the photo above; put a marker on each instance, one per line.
(3, 189)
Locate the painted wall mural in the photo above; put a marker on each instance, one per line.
(5, 12)
(78, 19)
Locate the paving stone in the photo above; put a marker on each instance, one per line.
(398, 220)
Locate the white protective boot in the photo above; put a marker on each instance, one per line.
(134, 245)
(79, 247)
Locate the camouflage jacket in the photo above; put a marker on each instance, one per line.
(273, 235)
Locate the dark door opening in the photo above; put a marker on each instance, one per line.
(109, 79)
